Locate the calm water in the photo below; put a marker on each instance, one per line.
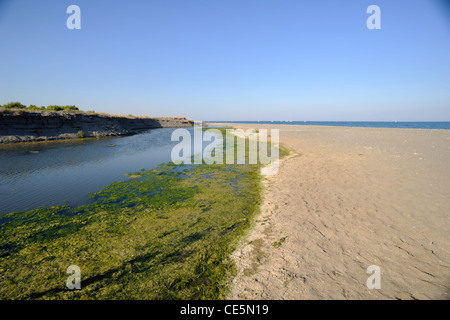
(65, 172)
(368, 124)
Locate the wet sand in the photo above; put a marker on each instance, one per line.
(346, 199)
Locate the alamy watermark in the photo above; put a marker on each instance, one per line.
(374, 280)
(190, 149)
(74, 281)
(230, 148)
(374, 21)
(74, 20)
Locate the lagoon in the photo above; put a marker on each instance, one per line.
(65, 172)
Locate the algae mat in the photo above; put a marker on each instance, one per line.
(167, 233)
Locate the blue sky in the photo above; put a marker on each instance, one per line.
(231, 59)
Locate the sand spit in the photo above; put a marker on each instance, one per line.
(346, 199)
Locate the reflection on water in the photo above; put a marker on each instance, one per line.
(57, 173)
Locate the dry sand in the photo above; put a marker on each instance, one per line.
(348, 198)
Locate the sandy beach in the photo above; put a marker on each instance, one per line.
(346, 199)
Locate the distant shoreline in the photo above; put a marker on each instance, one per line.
(441, 125)
(33, 126)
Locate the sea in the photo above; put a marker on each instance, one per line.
(445, 125)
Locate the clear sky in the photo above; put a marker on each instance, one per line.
(231, 59)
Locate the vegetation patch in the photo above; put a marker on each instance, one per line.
(167, 234)
(18, 105)
(278, 243)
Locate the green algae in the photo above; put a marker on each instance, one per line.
(278, 243)
(165, 235)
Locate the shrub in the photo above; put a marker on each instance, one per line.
(73, 108)
(14, 105)
(62, 108)
(54, 108)
(18, 105)
(81, 134)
